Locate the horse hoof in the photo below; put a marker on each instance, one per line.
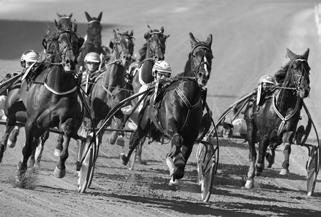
(178, 173)
(57, 152)
(173, 182)
(120, 141)
(123, 158)
(59, 173)
(284, 172)
(249, 184)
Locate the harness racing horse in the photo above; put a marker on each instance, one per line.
(92, 39)
(153, 49)
(14, 107)
(276, 120)
(65, 23)
(178, 117)
(51, 100)
(110, 87)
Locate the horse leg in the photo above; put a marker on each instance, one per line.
(252, 159)
(117, 124)
(286, 141)
(270, 154)
(60, 170)
(26, 151)
(3, 142)
(39, 149)
(262, 151)
(133, 143)
(175, 159)
(13, 137)
(59, 146)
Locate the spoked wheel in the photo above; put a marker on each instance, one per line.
(94, 162)
(207, 162)
(313, 165)
(87, 166)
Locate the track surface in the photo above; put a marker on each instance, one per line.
(250, 38)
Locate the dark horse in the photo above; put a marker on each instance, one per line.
(92, 39)
(276, 120)
(153, 49)
(178, 117)
(110, 87)
(51, 100)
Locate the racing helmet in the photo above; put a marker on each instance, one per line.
(162, 67)
(29, 56)
(267, 79)
(92, 57)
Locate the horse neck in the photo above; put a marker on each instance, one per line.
(94, 38)
(188, 69)
(59, 80)
(287, 100)
(114, 74)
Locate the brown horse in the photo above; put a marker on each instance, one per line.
(92, 40)
(276, 120)
(178, 117)
(110, 87)
(51, 100)
(65, 23)
(153, 49)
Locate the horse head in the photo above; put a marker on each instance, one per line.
(64, 23)
(62, 48)
(156, 43)
(200, 59)
(125, 49)
(298, 73)
(94, 28)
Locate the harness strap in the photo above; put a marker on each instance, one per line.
(189, 106)
(287, 117)
(60, 93)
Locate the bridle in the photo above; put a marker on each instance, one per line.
(154, 37)
(203, 63)
(297, 82)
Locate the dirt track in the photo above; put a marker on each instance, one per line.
(250, 38)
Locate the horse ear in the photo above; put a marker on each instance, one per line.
(193, 40)
(290, 54)
(75, 27)
(88, 17)
(100, 16)
(306, 54)
(166, 36)
(131, 33)
(162, 29)
(44, 43)
(70, 15)
(57, 24)
(115, 33)
(209, 40)
(111, 45)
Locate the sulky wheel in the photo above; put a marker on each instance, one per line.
(207, 161)
(313, 165)
(96, 148)
(87, 166)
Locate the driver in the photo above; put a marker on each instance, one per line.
(92, 69)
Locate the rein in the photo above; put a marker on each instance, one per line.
(297, 104)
